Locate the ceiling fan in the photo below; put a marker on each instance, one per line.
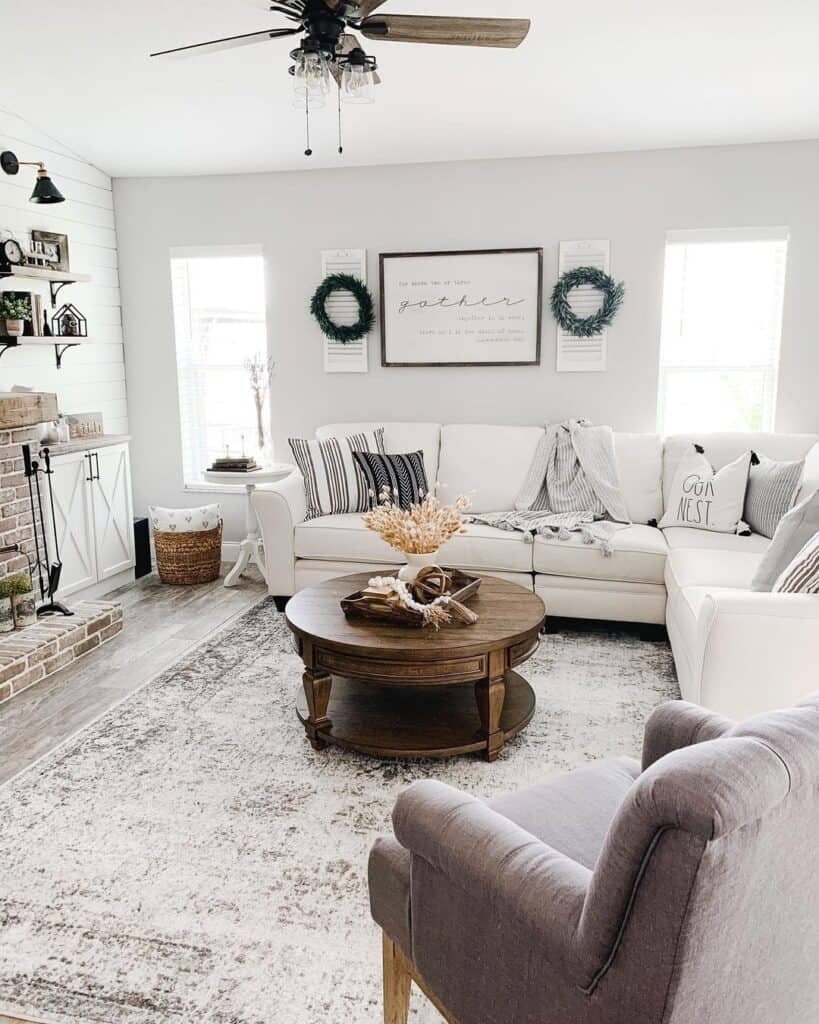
(329, 50)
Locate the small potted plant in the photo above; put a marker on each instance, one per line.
(15, 312)
(19, 590)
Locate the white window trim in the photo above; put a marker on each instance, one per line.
(711, 236)
(203, 252)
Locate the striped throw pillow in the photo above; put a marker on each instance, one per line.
(334, 483)
(403, 474)
(802, 575)
(772, 488)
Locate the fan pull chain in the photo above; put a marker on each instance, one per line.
(340, 146)
(308, 151)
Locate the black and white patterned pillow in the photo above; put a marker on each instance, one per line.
(333, 481)
(403, 474)
(772, 488)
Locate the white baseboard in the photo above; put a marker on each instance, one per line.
(97, 590)
(230, 550)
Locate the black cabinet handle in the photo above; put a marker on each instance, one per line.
(97, 460)
(90, 476)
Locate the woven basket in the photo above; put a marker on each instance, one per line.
(187, 558)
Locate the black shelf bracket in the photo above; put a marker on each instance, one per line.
(60, 348)
(54, 288)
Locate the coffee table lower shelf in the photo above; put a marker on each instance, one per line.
(413, 721)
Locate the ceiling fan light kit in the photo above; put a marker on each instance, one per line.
(330, 51)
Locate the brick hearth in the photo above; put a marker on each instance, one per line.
(29, 655)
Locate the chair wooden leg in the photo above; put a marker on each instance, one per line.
(397, 983)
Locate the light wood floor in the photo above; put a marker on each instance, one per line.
(160, 623)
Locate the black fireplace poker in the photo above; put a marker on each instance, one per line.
(49, 582)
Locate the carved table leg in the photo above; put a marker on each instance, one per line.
(317, 685)
(490, 694)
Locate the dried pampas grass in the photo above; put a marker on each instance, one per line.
(420, 529)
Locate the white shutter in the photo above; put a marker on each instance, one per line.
(343, 309)
(585, 355)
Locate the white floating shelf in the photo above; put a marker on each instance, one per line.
(11, 342)
(59, 344)
(41, 274)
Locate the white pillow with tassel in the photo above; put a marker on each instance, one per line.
(702, 499)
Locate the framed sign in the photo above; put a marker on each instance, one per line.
(476, 308)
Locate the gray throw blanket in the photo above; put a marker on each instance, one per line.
(571, 486)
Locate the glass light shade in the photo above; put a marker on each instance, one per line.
(357, 84)
(311, 79)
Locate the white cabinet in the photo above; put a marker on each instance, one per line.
(93, 515)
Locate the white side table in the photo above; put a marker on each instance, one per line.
(251, 550)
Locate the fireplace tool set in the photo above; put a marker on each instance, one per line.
(48, 571)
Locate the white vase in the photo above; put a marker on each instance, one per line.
(15, 328)
(415, 563)
(25, 610)
(6, 615)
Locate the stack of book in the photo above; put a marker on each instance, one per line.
(234, 464)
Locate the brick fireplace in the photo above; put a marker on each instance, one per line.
(29, 655)
(16, 523)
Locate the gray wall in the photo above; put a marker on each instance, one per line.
(630, 198)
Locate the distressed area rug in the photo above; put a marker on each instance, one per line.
(189, 858)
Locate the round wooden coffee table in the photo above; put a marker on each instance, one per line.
(395, 691)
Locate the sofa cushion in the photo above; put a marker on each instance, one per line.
(572, 812)
(698, 567)
(638, 555)
(345, 538)
(682, 537)
(398, 438)
(640, 472)
(486, 462)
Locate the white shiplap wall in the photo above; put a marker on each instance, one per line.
(92, 378)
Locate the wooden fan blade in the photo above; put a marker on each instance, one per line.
(348, 43)
(411, 28)
(213, 45)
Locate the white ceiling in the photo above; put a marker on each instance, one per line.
(594, 76)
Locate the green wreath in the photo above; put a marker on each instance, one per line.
(366, 314)
(590, 325)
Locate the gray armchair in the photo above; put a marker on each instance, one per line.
(680, 891)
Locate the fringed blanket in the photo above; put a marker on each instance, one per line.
(571, 486)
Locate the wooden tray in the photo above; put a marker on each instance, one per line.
(356, 606)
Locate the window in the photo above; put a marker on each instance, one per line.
(722, 322)
(221, 335)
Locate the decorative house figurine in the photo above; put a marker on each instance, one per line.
(68, 322)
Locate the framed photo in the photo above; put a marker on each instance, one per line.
(54, 248)
(482, 307)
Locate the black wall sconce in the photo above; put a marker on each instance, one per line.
(45, 191)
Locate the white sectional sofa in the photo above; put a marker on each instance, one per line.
(736, 652)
